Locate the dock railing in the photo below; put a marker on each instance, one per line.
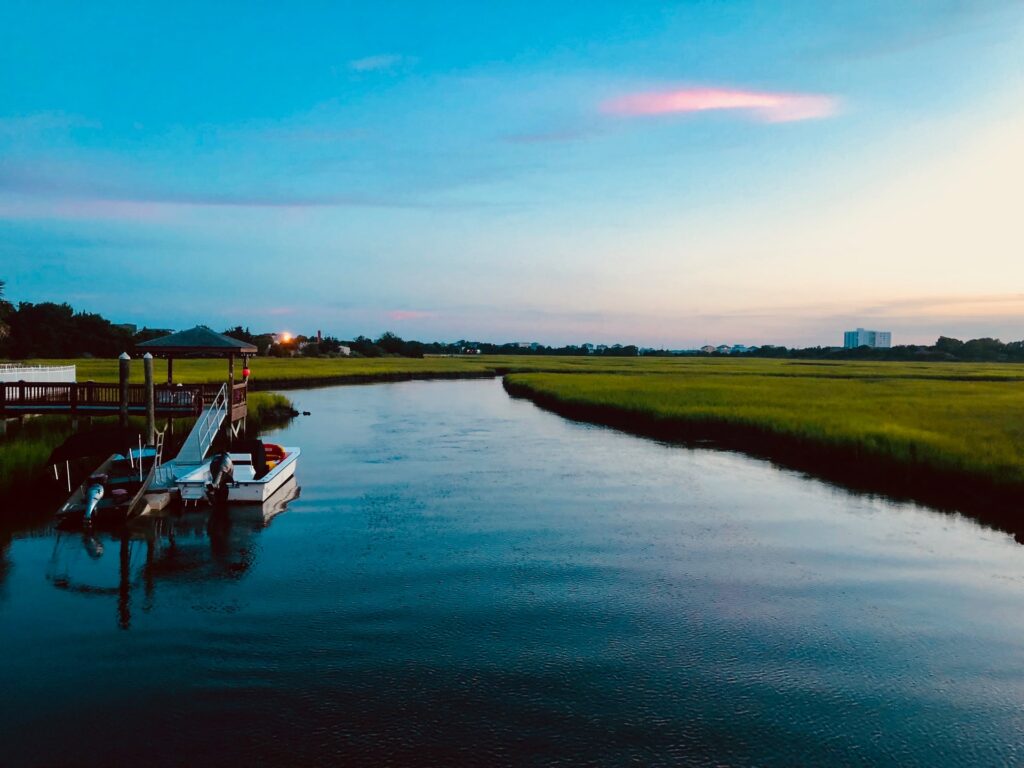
(91, 398)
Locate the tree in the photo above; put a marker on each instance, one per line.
(240, 333)
(391, 343)
(365, 347)
(948, 345)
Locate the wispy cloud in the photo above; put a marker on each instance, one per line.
(408, 314)
(772, 107)
(84, 192)
(379, 62)
(547, 137)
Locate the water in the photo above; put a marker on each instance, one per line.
(466, 579)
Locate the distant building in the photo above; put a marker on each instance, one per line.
(723, 349)
(707, 349)
(739, 349)
(863, 338)
(470, 351)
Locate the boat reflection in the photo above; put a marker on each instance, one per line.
(193, 546)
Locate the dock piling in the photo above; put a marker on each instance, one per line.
(124, 369)
(147, 367)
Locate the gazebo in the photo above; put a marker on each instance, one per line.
(205, 342)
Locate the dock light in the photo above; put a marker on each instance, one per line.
(286, 337)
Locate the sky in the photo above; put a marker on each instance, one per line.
(666, 174)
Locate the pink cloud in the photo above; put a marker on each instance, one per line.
(762, 105)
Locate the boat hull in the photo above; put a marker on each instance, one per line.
(241, 491)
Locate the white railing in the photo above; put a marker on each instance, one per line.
(205, 430)
(52, 374)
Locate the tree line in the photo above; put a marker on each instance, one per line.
(49, 330)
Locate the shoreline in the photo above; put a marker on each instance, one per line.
(949, 491)
(314, 382)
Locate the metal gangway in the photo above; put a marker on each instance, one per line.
(198, 442)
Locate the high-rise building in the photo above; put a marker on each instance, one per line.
(863, 338)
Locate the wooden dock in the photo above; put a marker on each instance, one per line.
(92, 399)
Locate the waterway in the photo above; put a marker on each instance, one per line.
(465, 579)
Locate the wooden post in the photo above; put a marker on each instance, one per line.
(147, 367)
(170, 369)
(231, 397)
(124, 368)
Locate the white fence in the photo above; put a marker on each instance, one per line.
(53, 374)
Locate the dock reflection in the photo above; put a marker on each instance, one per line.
(193, 546)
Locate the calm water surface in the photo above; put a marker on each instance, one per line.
(466, 579)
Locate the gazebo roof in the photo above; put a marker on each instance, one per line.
(197, 341)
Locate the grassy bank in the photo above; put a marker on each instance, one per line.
(267, 409)
(944, 440)
(283, 373)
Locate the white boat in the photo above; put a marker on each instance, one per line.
(245, 478)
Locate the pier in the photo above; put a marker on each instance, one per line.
(92, 399)
(45, 396)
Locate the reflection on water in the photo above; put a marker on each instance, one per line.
(198, 545)
(467, 579)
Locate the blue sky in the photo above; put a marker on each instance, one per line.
(660, 173)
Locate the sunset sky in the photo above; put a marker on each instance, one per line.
(651, 173)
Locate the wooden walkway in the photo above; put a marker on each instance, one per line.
(92, 399)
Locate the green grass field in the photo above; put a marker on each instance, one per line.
(271, 372)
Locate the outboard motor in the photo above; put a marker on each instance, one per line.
(222, 475)
(92, 499)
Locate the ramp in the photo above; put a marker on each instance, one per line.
(199, 440)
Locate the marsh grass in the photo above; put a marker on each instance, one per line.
(25, 447)
(266, 410)
(944, 424)
(277, 373)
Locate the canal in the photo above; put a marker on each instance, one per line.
(467, 579)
